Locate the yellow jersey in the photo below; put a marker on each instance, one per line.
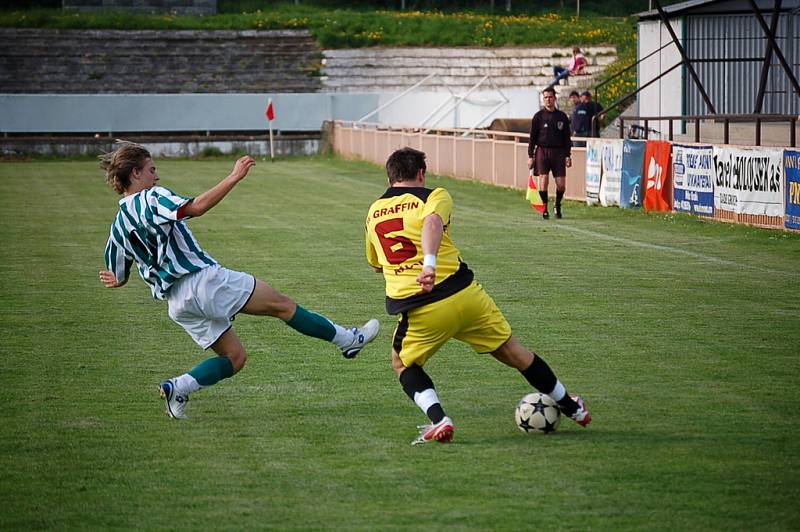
(394, 244)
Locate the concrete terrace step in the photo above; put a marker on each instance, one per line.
(393, 69)
(443, 82)
(445, 70)
(442, 53)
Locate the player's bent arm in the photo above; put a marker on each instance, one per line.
(432, 231)
(208, 199)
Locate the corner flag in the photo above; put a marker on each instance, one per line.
(270, 112)
(533, 194)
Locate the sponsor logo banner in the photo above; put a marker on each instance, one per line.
(593, 165)
(610, 182)
(693, 179)
(658, 193)
(631, 179)
(791, 166)
(748, 181)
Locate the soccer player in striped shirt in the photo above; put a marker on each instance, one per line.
(436, 296)
(150, 230)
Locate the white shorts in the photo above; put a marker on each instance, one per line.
(205, 302)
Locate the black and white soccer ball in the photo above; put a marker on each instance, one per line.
(537, 413)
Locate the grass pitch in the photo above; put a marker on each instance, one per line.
(681, 334)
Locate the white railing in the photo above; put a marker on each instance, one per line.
(495, 157)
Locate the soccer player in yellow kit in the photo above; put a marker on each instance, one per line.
(436, 297)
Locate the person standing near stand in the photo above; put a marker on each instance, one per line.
(585, 111)
(550, 148)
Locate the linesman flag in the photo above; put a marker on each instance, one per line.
(270, 112)
(533, 194)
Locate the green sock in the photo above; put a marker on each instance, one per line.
(212, 370)
(312, 324)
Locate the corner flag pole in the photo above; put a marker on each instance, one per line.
(270, 114)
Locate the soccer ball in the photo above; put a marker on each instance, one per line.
(537, 413)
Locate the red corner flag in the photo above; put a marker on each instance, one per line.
(270, 113)
(533, 194)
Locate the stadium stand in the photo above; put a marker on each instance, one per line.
(36, 61)
(458, 69)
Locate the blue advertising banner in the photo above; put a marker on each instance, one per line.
(693, 179)
(632, 170)
(791, 169)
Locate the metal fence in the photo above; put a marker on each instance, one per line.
(495, 157)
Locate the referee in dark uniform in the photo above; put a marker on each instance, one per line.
(549, 149)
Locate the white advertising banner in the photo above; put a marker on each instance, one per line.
(594, 150)
(611, 179)
(748, 181)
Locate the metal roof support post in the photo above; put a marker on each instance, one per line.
(762, 85)
(777, 48)
(758, 132)
(686, 61)
(611, 106)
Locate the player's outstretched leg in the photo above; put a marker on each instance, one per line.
(541, 377)
(538, 373)
(266, 301)
(349, 341)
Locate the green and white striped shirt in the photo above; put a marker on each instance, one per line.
(149, 230)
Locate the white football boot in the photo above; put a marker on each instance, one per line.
(176, 403)
(361, 337)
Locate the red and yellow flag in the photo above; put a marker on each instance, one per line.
(533, 194)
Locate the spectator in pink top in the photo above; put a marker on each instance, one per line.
(574, 68)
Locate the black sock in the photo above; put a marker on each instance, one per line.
(541, 377)
(414, 380)
(559, 196)
(435, 413)
(543, 195)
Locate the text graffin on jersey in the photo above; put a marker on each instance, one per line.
(400, 207)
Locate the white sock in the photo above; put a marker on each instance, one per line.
(186, 384)
(558, 392)
(343, 337)
(426, 399)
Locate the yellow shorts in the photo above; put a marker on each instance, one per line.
(469, 315)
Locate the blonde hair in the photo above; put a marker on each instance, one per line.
(119, 164)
